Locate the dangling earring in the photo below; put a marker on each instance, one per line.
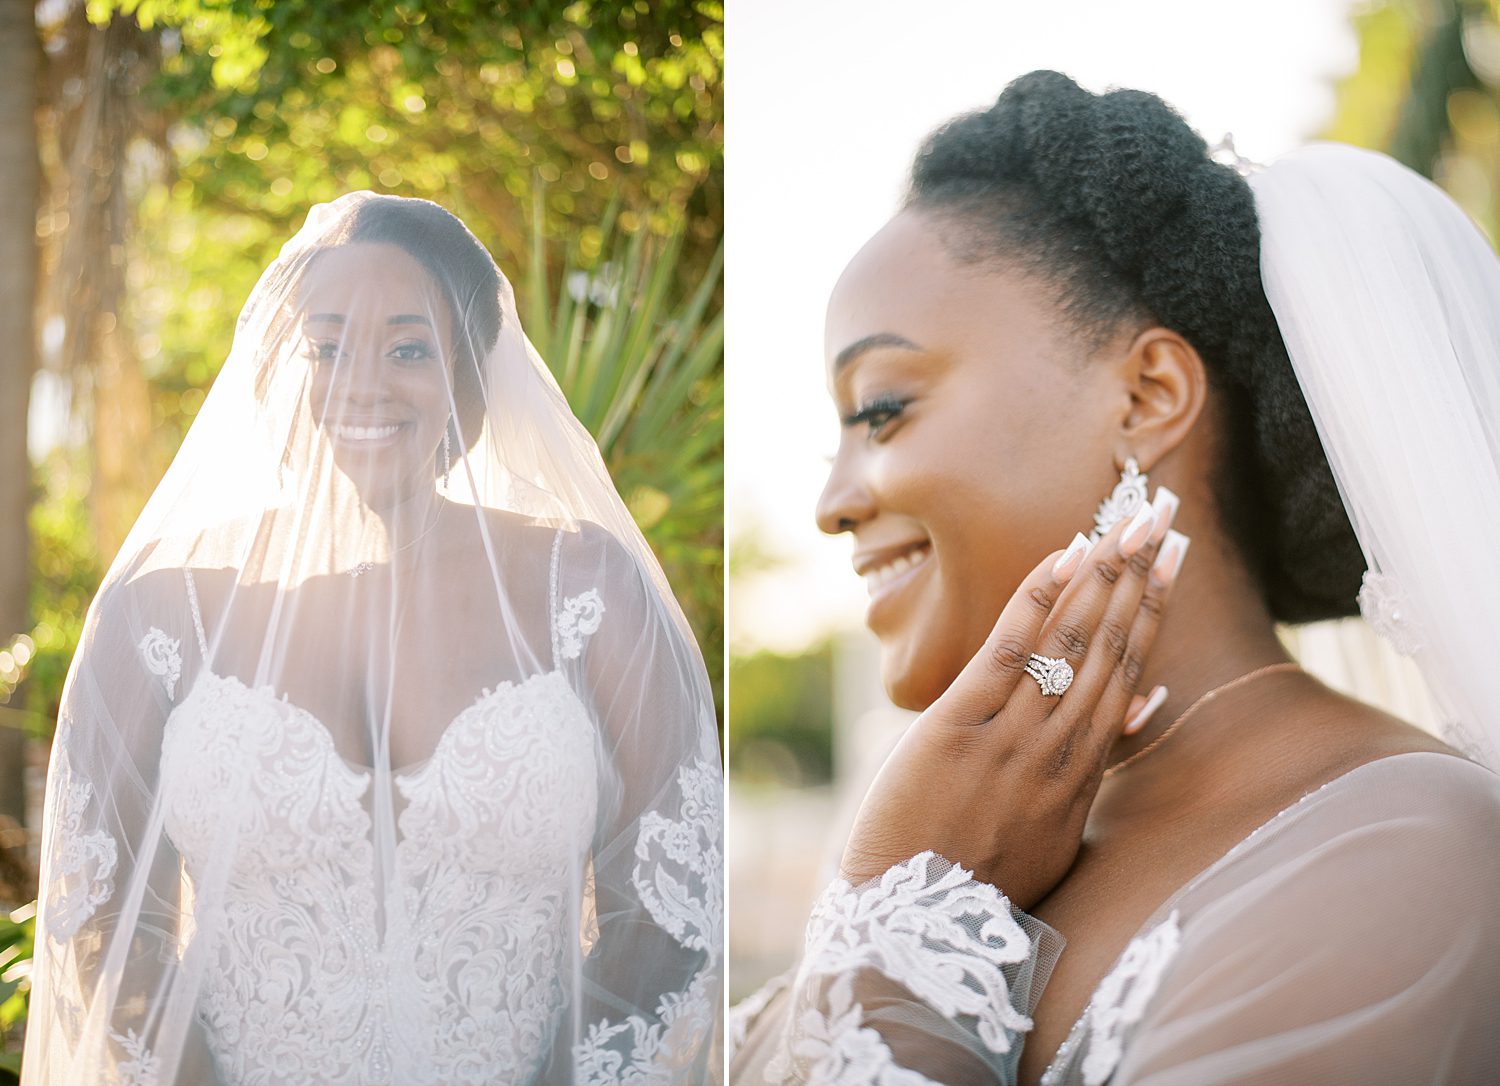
(1128, 495)
(447, 458)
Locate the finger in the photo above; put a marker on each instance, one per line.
(1075, 629)
(989, 679)
(1107, 616)
(1125, 678)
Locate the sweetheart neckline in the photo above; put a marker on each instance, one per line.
(364, 772)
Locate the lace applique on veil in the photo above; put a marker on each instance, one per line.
(83, 859)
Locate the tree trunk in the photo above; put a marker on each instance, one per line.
(20, 179)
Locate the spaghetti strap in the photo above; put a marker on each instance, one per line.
(552, 598)
(192, 594)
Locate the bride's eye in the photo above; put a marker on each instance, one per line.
(411, 351)
(322, 350)
(877, 414)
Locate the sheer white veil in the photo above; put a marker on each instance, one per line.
(1388, 299)
(387, 754)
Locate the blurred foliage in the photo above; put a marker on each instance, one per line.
(572, 138)
(465, 103)
(781, 717)
(65, 572)
(17, 937)
(628, 355)
(1427, 91)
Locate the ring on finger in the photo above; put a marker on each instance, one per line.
(1052, 673)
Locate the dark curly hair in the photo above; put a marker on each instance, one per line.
(1115, 203)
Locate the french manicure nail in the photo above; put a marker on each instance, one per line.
(1137, 531)
(1165, 503)
(1168, 564)
(1153, 703)
(1067, 563)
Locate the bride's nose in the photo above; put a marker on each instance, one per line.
(363, 377)
(845, 502)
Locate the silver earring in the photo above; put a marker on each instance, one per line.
(1128, 496)
(447, 458)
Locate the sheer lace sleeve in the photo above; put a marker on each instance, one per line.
(1352, 939)
(652, 978)
(110, 932)
(924, 975)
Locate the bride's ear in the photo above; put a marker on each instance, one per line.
(1167, 388)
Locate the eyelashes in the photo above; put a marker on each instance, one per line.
(876, 413)
(411, 352)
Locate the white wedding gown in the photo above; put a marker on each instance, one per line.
(449, 958)
(1352, 938)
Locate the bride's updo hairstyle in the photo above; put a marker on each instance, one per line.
(1114, 203)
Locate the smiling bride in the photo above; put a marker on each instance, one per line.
(387, 755)
(1129, 839)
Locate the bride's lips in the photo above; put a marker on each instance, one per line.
(890, 569)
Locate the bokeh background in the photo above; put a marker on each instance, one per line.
(154, 155)
(829, 103)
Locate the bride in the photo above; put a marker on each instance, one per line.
(387, 756)
(1129, 840)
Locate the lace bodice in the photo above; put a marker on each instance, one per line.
(324, 968)
(441, 973)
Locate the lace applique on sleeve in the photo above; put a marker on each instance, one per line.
(580, 616)
(83, 862)
(1123, 995)
(571, 619)
(678, 876)
(951, 954)
(140, 1067)
(163, 657)
(679, 867)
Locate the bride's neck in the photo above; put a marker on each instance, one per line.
(1215, 628)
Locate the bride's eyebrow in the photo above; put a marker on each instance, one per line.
(399, 318)
(879, 339)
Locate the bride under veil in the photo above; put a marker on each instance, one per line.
(387, 755)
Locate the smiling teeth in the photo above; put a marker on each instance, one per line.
(882, 575)
(365, 433)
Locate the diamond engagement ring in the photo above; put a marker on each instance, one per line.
(1052, 674)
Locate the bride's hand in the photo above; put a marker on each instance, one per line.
(998, 777)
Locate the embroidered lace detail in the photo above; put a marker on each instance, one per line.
(163, 657)
(640, 1053)
(743, 1015)
(845, 1050)
(933, 929)
(1122, 997)
(442, 970)
(140, 1068)
(1385, 607)
(680, 862)
(579, 618)
(82, 862)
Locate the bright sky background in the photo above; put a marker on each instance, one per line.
(827, 100)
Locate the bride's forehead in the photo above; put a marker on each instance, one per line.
(367, 280)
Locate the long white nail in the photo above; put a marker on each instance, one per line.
(1165, 503)
(1134, 537)
(1067, 563)
(1168, 564)
(1153, 703)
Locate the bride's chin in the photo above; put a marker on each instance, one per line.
(908, 684)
